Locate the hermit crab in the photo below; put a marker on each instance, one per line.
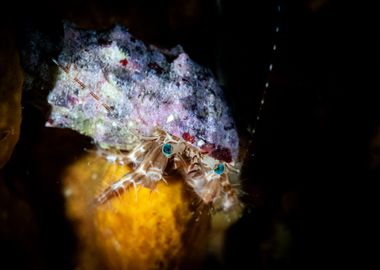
(151, 108)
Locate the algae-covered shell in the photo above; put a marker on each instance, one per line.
(114, 88)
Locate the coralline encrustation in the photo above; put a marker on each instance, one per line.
(114, 88)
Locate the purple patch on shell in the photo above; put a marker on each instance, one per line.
(116, 86)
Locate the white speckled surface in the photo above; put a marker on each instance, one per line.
(143, 87)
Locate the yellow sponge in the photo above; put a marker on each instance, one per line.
(140, 229)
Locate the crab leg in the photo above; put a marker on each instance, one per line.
(151, 165)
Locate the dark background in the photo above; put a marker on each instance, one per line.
(308, 185)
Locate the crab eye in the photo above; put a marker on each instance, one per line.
(167, 149)
(219, 169)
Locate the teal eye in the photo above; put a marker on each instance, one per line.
(219, 169)
(167, 149)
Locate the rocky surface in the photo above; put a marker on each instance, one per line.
(112, 86)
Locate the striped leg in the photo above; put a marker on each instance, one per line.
(147, 174)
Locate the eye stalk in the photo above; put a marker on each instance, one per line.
(167, 149)
(219, 169)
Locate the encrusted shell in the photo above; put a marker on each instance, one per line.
(114, 88)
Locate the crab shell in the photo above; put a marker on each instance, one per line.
(115, 89)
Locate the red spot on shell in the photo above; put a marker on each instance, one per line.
(207, 148)
(222, 153)
(124, 62)
(187, 137)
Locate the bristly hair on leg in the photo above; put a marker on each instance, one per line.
(148, 172)
(208, 178)
(136, 156)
